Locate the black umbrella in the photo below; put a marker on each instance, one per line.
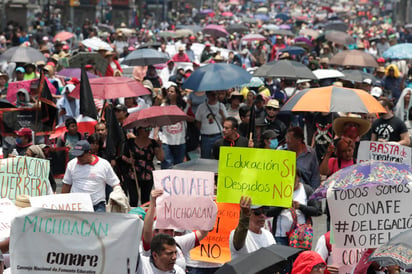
(269, 259)
(357, 76)
(285, 69)
(84, 58)
(6, 104)
(150, 45)
(336, 25)
(237, 28)
(145, 57)
(22, 54)
(198, 164)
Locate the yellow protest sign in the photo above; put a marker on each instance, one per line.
(214, 248)
(265, 175)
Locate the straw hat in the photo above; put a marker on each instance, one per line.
(339, 124)
(22, 201)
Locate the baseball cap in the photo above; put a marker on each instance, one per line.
(25, 131)
(80, 148)
(20, 69)
(376, 92)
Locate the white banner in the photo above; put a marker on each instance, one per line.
(68, 201)
(48, 241)
(7, 212)
(187, 200)
(381, 151)
(367, 217)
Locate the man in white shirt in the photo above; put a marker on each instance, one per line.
(249, 235)
(88, 173)
(163, 257)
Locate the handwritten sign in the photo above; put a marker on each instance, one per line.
(367, 217)
(48, 241)
(24, 175)
(345, 258)
(7, 212)
(187, 202)
(69, 201)
(266, 175)
(214, 247)
(381, 151)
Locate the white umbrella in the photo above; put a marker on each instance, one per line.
(328, 73)
(96, 43)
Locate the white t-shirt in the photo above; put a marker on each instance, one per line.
(285, 220)
(173, 134)
(253, 242)
(91, 178)
(146, 267)
(208, 124)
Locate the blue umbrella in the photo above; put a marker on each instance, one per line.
(262, 17)
(399, 51)
(217, 76)
(293, 50)
(282, 16)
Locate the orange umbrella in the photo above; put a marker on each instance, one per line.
(63, 36)
(333, 99)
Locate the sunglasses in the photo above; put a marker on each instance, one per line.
(258, 212)
(271, 108)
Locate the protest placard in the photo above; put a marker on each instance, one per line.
(368, 216)
(48, 241)
(24, 176)
(187, 200)
(266, 175)
(7, 213)
(391, 152)
(68, 201)
(214, 247)
(345, 258)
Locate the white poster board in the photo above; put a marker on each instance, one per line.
(48, 241)
(7, 212)
(68, 201)
(381, 151)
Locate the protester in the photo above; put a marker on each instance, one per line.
(70, 137)
(24, 137)
(23, 99)
(308, 262)
(88, 173)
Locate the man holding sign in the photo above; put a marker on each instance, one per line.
(249, 235)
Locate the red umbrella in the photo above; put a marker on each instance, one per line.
(328, 9)
(253, 37)
(113, 87)
(63, 36)
(155, 117)
(215, 30)
(227, 13)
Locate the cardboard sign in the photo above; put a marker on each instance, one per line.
(381, 151)
(24, 175)
(69, 202)
(367, 217)
(214, 247)
(266, 175)
(187, 201)
(345, 258)
(7, 213)
(48, 241)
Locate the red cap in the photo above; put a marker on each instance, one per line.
(65, 47)
(192, 38)
(23, 132)
(207, 45)
(88, 66)
(51, 64)
(74, 80)
(381, 60)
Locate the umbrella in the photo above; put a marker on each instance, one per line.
(270, 27)
(96, 43)
(262, 10)
(198, 164)
(357, 76)
(113, 87)
(218, 76)
(283, 32)
(126, 31)
(74, 72)
(255, 82)
(328, 9)
(150, 45)
(83, 58)
(285, 69)
(285, 26)
(398, 251)
(237, 28)
(327, 73)
(270, 259)
(180, 33)
(166, 34)
(4, 103)
(354, 58)
(333, 99)
(309, 32)
(22, 54)
(194, 28)
(106, 27)
(155, 117)
(336, 25)
(145, 57)
(399, 51)
(339, 37)
(248, 20)
(293, 50)
(227, 14)
(262, 17)
(367, 173)
(253, 37)
(282, 16)
(215, 30)
(63, 36)
(304, 40)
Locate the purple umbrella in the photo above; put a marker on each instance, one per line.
(284, 26)
(206, 11)
(304, 40)
(262, 17)
(215, 30)
(74, 72)
(367, 173)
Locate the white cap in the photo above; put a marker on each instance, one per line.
(376, 92)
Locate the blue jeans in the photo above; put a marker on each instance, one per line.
(282, 241)
(206, 145)
(100, 207)
(174, 154)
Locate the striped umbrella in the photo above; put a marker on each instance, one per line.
(333, 99)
